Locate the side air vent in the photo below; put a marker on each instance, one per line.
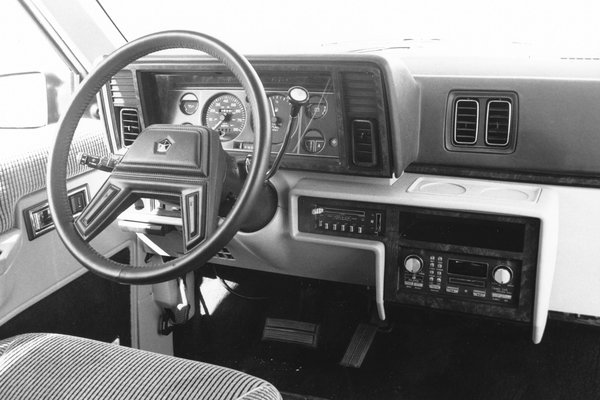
(130, 125)
(122, 91)
(364, 149)
(466, 121)
(497, 127)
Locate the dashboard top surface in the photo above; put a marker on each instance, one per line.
(409, 100)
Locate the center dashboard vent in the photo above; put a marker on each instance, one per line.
(497, 128)
(466, 121)
(484, 122)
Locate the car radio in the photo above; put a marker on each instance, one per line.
(485, 279)
(460, 261)
(451, 260)
(325, 216)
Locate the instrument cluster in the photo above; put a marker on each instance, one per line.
(228, 112)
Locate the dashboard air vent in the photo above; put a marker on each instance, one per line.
(121, 89)
(497, 130)
(363, 143)
(360, 94)
(130, 125)
(466, 121)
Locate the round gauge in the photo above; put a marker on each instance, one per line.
(316, 107)
(226, 114)
(188, 103)
(280, 116)
(313, 141)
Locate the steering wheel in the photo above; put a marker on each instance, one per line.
(166, 161)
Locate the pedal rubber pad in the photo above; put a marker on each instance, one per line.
(290, 331)
(359, 345)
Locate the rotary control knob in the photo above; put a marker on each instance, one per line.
(413, 264)
(502, 275)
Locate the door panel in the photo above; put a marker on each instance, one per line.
(32, 269)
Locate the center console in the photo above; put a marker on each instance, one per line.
(459, 261)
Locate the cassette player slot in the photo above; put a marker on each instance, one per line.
(466, 282)
(342, 212)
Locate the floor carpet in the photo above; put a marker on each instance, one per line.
(424, 354)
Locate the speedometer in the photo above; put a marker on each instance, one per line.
(226, 114)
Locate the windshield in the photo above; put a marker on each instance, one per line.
(566, 29)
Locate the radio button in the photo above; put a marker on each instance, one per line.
(502, 275)
(413, 264)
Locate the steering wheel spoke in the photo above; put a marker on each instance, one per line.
(193, 215)
(112, 198)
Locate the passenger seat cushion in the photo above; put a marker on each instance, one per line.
(3, 345)
(50, 366)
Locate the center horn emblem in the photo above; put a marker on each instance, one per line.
(163, 145)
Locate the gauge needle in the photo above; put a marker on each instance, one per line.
(222, 118)
(218, 125)
(272, 108)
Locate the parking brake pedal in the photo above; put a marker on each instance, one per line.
(289, 331)
(359, 345)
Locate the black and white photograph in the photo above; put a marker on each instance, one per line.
(299, 200)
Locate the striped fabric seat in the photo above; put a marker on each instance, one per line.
(50, 366)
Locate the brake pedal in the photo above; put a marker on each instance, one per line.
(290, 331)
(359, 345)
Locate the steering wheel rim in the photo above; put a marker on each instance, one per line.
(58, 159)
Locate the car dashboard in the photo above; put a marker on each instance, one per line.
(460, 189)
(342, 129)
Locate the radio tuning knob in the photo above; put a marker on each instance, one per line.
(413, 264)
(502, 275)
